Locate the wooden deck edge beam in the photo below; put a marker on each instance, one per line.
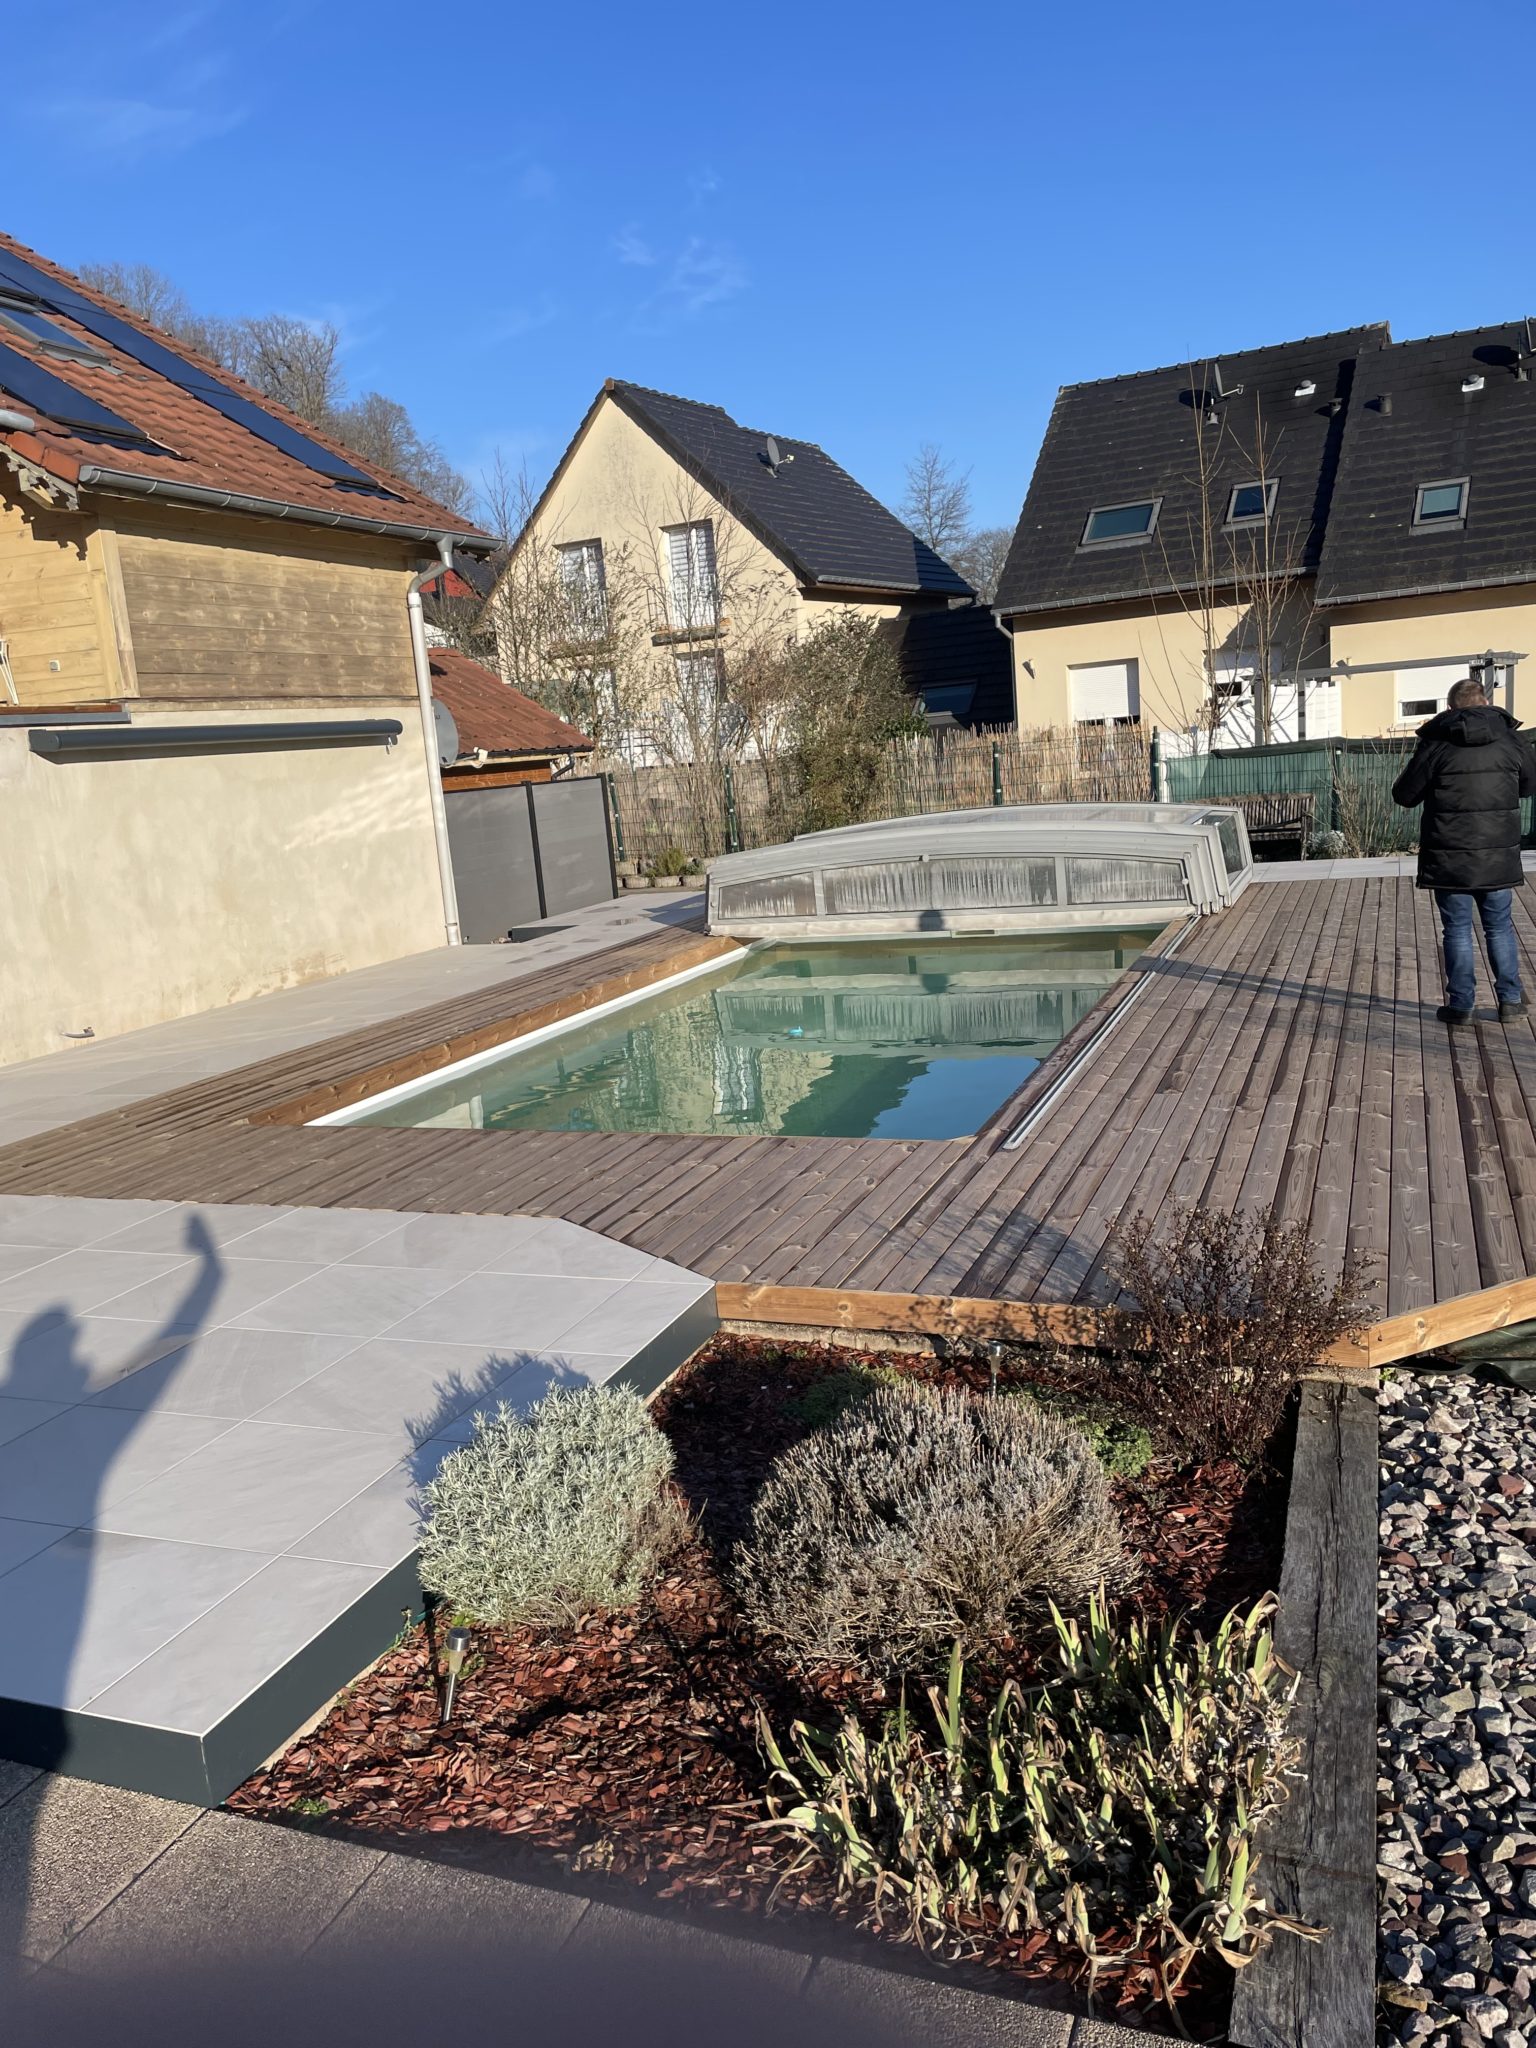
(1034, 1322)
(429, 1059)
(1319, 1851)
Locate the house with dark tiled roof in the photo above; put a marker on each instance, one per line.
(1429, 559)
(1311, 539)
(684, 539)
(216, 745)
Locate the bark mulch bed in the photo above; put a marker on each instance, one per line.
(628, 1745)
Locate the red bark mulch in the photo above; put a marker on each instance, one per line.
(629, 1743)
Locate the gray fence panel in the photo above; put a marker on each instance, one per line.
(570, 822)
(494, 869)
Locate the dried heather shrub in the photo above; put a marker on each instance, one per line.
(543, 1518)
(921, 1518)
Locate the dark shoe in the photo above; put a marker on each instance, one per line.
(1508, 1012)
(1446, 1015)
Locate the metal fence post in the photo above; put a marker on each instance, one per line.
(1155, 762)
(1335, 811)
(613, 812)
(997, 773)
(732, 822)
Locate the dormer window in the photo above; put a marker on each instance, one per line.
(1442, 504)
(1109, 523)
(1252, 504)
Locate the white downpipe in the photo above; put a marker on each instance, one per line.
(423, 667)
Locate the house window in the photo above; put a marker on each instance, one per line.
(691, 583)
(1251, 504)
(1120, 522)
(1441, 504)
(23, 318)
(1105, 693)
(1410, 710)
(585, 586)
(698, 676)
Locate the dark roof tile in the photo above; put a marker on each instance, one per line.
(945, 652)
(1433, 432)
(812, 512)
(1126, 438)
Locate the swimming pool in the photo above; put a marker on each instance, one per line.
(907, 1038)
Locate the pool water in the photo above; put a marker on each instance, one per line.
(912, 1038)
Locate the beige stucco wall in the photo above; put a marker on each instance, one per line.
(622, 489)
(144, 888)
(1430, 629)
(1168, 645)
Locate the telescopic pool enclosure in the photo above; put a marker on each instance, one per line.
(1015, 868)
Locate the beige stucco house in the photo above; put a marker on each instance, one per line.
(1310, 540)
(213, 765)
(671, 543)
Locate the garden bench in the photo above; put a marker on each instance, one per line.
(1275, 818)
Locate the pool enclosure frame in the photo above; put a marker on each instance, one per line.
(1026, 868)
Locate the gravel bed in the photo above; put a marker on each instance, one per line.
(1456, 1843)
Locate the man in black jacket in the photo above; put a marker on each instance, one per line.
(1469, 771)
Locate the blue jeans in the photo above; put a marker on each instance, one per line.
(1493, 907)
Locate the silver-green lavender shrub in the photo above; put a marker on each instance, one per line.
(542, 1518)
(922, 1518)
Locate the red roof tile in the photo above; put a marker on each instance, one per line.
(198, 445)
(491, 714)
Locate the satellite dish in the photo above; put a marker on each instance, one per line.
(772, 450)
(447, 733)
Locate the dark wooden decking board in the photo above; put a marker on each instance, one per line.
(1286, 1051)
(1057, 1167)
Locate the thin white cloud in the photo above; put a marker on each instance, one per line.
(702, 274)
(631, 247)
(703, 184)
(130, 129)
(124, 128)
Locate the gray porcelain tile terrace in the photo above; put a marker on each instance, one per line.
(215, 1424)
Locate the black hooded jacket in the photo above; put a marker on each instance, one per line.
(1469, 772)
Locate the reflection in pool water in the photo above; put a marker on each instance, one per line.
(917, 1038)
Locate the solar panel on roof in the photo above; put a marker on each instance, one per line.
(154, 355)
(41, 391)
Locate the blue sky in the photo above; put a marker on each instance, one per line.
(866, 225)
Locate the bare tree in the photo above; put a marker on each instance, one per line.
(296, 363)
(576, 644)
(1248, 596)
(937, 505)
(980, 555)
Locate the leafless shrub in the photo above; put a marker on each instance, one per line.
(921, 1518)
(1234, 1309)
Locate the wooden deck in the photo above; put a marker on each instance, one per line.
(1287, 1052)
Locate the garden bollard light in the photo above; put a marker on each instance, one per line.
(995, 1355)
(458, 1650)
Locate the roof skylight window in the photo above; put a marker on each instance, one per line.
(1251, 504)
(1441, 504)
(1106, 523)
(24, 318)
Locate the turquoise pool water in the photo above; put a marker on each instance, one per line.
(913, 1038)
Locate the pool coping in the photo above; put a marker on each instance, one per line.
(336, 1105)
(318, 1104)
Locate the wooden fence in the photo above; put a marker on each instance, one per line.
(704, 811)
